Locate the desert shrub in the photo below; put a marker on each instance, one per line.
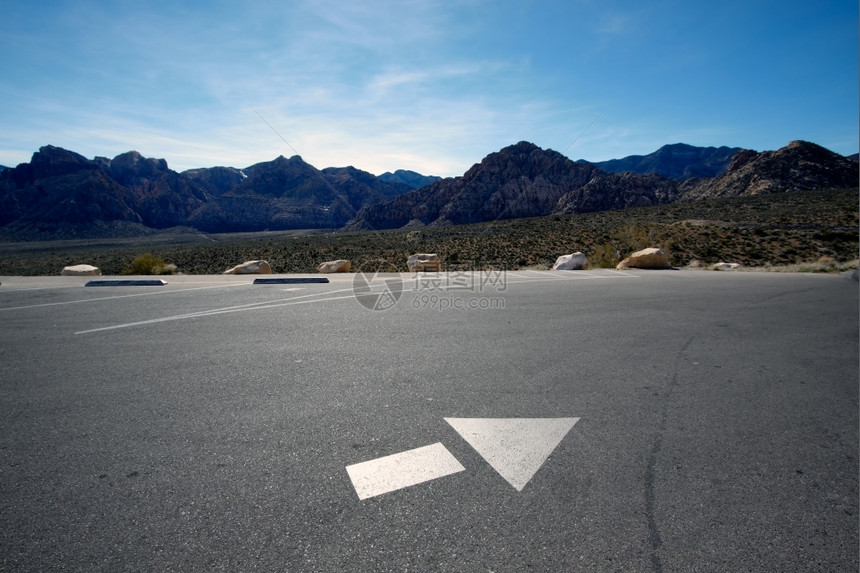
(603, 257)
(632, 238)
(147, 264)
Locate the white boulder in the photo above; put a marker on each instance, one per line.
(250, 268)
(726, 266)
(80, 271)
(650, 258)
(573, 262)
(338, 266)
(424, 262)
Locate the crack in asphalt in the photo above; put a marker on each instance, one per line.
(654, 538)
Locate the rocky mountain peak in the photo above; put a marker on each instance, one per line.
(216, 180)
(282, 161)
(525, 160)
(520, 148)
(520, 180)
(410, 178)
(810, 151)
(48, 162)
(131, 168)
(52, 161)
(798, 166)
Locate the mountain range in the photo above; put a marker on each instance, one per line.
(676, 161)
(524, 180)
(61, 194)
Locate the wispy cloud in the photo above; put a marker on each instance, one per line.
(416, 84)
(378, 24)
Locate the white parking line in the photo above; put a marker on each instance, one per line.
(7, 288)
(229, 309)
(553, 274)
(544, 276)
(101, 298)
(522, 277)
(615, 272)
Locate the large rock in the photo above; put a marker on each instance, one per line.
(250, 268)
(650, 258)
(338, 266)
(424, 262)
(573, 262)
(80, 271)
(726, 266)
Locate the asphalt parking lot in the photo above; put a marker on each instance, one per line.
(475, 421)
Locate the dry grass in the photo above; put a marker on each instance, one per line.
(825, 265)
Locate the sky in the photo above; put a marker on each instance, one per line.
(427, 85)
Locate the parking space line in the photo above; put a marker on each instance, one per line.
(540, 276)
(113, 297)
(230, 309)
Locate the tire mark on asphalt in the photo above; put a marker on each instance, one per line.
(782, 294)
(654, 537)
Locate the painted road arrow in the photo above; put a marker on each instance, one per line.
(515, 447)
(390, 473)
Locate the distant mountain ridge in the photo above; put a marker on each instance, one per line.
(411, 178)
(676, 161)
(61, 194)
(799, 166)
(292, 194)
(521, 180)
(524, 180)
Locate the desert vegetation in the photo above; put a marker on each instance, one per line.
(149, 264)
(760, 231)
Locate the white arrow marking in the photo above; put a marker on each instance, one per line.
(515, 447)
(390, 473)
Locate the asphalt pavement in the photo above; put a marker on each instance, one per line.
(473, 421)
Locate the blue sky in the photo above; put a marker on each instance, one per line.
(427, 85)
